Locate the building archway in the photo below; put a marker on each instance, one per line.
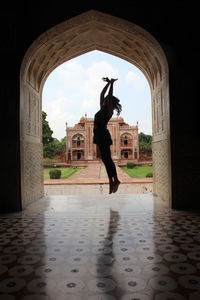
(77, 147)
(126, 139)
(127, 145)
(78, 141)
(89, 31)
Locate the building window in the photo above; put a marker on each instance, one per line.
(125, 140)
(78, 141)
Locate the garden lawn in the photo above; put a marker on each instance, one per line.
(65, 172)
(138, 172)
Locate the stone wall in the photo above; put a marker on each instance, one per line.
(161, 178)
(33, 172)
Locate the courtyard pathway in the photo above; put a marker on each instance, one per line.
(95, 173)
(93, 180)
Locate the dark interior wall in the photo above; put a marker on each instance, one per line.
(173, 24)
(9, 97)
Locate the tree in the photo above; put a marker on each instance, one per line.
(58, 147)
(46, 130)
(145, 141)
(63, 142)
(51, 145)
(47, 139)
(49, 150)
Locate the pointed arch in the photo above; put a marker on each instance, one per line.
(89, 31)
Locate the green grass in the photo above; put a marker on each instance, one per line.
(65, 172)
(138, 172)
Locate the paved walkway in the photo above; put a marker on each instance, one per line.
(95, 173)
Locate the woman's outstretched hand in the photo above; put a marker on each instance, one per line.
(106, 79)
(113, 80)
(109, 80)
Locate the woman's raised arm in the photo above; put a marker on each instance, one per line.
(104, 90)
(110, 93)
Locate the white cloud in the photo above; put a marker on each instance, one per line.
(145, 126)
(93, 84)
(56, 116)
(135, 80)
(70, 72)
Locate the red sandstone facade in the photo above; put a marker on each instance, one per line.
(80, 147)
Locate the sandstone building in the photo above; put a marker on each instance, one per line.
(80, 146)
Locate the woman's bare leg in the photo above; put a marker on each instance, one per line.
(109, 165)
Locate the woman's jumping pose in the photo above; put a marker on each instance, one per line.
(102, 136)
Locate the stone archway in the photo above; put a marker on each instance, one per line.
(89, 31)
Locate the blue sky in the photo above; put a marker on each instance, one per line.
(72, 90)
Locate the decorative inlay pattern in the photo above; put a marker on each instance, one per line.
(56, 262)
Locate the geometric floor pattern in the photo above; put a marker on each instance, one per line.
(120, 251)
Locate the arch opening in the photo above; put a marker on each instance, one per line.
(92, 31)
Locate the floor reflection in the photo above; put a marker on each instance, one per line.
(101, 248)
(107, 281)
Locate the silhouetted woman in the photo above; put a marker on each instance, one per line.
(102, 136)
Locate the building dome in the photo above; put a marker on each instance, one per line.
(82, 120)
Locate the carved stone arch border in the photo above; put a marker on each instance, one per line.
(78, 135)
(89, 31)
(126, 133)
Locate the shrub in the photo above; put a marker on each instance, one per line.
(150, 174)
(55, 174)
(130, 165)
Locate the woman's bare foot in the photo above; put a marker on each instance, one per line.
(116, 184)
(111, 186)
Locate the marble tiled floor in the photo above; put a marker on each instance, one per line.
(97, 189)
(100, 248)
